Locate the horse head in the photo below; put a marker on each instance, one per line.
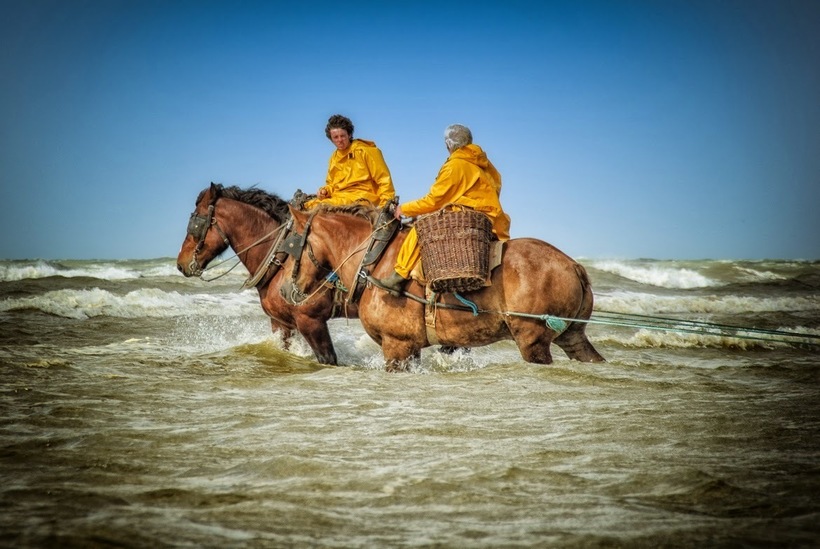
(248, 220)
(326, 244)
(201, 243)
(304, 278)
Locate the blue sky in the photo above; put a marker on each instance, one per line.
(659, 129)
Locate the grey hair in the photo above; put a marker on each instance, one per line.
(456, 136)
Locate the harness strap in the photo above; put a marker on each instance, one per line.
(430, 315)
(271, 264)
(386, 228)
(221, 232)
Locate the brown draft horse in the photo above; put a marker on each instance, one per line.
(534, 279)
(248, 221)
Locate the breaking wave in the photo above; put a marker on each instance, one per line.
(645, 303)
(112, 271)
(149, 302)
(656, 275)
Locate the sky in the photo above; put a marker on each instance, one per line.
(626, 129)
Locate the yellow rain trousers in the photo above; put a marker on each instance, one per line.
(467, 178)
(359, 173)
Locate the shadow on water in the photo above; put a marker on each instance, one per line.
(263, 359)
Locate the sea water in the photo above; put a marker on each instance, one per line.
(139, 408)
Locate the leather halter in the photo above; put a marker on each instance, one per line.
(386, 229)
(198, 227)
(295, 245)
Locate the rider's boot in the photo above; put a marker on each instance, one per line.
(393, 283)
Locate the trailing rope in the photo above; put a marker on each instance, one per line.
(659, 320)
(647, 322)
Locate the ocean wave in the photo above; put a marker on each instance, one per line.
(648, 304)
(656, 275)
(150, 302)
(45, 269)
(111, 271)
(653, 339)
(747, 274)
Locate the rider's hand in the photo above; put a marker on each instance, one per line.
(397, 212)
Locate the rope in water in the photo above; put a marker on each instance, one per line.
(649, 322)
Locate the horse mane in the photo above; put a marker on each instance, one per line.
(253, 196)
(364, 211)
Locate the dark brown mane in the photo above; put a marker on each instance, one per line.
(357, 210)
(270, 203)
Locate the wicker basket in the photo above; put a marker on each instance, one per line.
(455, 249)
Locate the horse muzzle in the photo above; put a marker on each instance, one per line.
(191, 269)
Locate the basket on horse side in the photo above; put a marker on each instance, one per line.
(455, 249)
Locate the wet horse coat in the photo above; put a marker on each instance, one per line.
(533, 280)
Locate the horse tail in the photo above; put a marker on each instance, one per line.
(585, 307)
(573, 340)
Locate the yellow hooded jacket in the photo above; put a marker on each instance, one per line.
(355, 174)
(467, 178)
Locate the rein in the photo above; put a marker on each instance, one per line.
(271, 258)
(246, 284)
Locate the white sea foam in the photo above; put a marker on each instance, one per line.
(159, 271)
(14, 271)
(44, 269)
(647, 339)
(656, 275)
(649, 304)
(149, 302)
(198, 333)
(753, 275)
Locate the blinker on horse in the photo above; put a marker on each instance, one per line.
(534, 280)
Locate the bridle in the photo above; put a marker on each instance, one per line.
(295, 245)
(198, 226)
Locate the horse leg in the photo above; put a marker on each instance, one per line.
(286, 332)
(533, 340)
(317, 335)
(450, 349)
(574, 342)
(398, 354)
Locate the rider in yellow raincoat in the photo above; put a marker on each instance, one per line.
(356, 171)
(467, 178)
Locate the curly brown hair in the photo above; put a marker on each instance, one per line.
(340, 122)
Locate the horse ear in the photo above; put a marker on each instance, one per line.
(215, 188)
